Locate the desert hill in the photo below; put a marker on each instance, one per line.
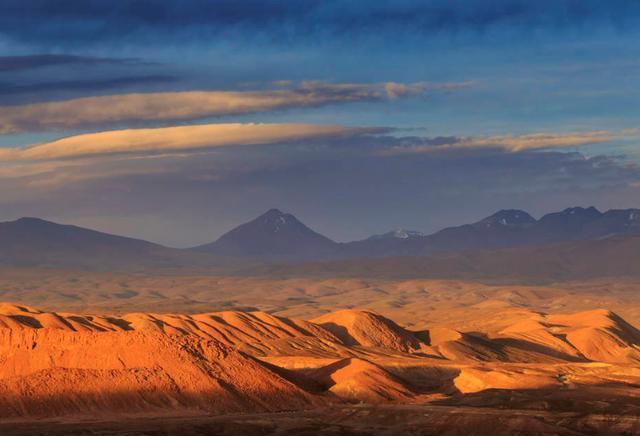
(368, 329)
(63, 372)
(360, 380)
(56, 364)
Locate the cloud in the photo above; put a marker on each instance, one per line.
(29, 62)
(175, 139)
(537, 141)
(40, 78)
(84, 84)
(172, 106)
(81, 22)
(512, 143)
(397, 90)
(334, 138)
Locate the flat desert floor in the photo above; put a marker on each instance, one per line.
(414, 303)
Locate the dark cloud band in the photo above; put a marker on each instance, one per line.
(77, 22)
(29, 62)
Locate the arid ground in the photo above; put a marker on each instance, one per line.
(111, 353)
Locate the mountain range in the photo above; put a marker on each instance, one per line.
(280, 237)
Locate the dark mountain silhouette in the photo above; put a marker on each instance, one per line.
(572, 224)
(274, 235)
(386, 244)
(280, 237)
(506, 229)
(36, 242)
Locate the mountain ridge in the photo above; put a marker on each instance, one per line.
(509, 228)
(276, 236)
(29, 242)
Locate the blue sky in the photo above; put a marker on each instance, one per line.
(471, 106)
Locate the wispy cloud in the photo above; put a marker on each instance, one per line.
(91, 85)
(186, 139)
(176, 139)
(514, 143)
(29, 62)
(193, 105)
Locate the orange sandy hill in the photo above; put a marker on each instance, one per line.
(360, 380)
(368, 329)
(599, 335)
(55, 364)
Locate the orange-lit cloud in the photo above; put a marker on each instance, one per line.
(172, 106)
(174, 139)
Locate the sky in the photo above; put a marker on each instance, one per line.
(176, 120)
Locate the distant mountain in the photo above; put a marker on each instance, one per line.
(35, 242)
(613, 222)
(501, 229)
(394, 243)
(507, 218)
(278, 236)
(505, 229)
(517, 228)
(398, 234)
(274, 235)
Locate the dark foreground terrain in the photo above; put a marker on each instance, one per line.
(352, 420)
